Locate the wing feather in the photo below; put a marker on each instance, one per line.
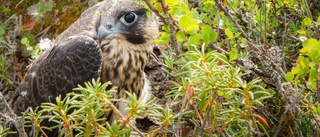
(57, 71)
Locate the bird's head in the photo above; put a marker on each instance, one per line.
(126, 20)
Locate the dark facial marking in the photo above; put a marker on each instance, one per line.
(135, 39)
(134, 33)
(139, 12)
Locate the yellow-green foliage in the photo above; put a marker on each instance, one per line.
(239, 68)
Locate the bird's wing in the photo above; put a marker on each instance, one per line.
(85, 23)
(58, 71)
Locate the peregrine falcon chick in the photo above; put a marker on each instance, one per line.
(111, 40)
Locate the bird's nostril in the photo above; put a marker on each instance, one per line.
(108, 26)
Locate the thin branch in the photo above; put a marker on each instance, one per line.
(313, 116)
(240, 61)
(168, 21)
(317, 84)
(225, 133)
(173, 29)
(207, 117)
(249, 40)
(126, 120)
(19, 3)
(158, 61)
(284, 114)
(177, 130)
(226, 11)
(284, 38)
(42, 132)
(12, 117)
(9, 19)
(154, 10)
(265, 23)
(288, 93)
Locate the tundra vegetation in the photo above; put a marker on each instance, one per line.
(236, 68)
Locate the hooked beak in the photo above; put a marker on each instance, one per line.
(108, 30)
(103, 33)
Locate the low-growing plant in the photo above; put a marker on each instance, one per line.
(213, 90)
(73, 118)
(239, 68)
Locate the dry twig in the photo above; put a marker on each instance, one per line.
(12, 117)
(126, 120)
(185, 99)
(280, 73)
(240, 61)
(283, 116)
(287, 92)
(167, 19)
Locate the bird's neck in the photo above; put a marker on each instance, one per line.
(123, 64)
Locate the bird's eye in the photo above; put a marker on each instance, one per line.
(129, 18)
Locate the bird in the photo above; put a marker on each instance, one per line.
(111, 40)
